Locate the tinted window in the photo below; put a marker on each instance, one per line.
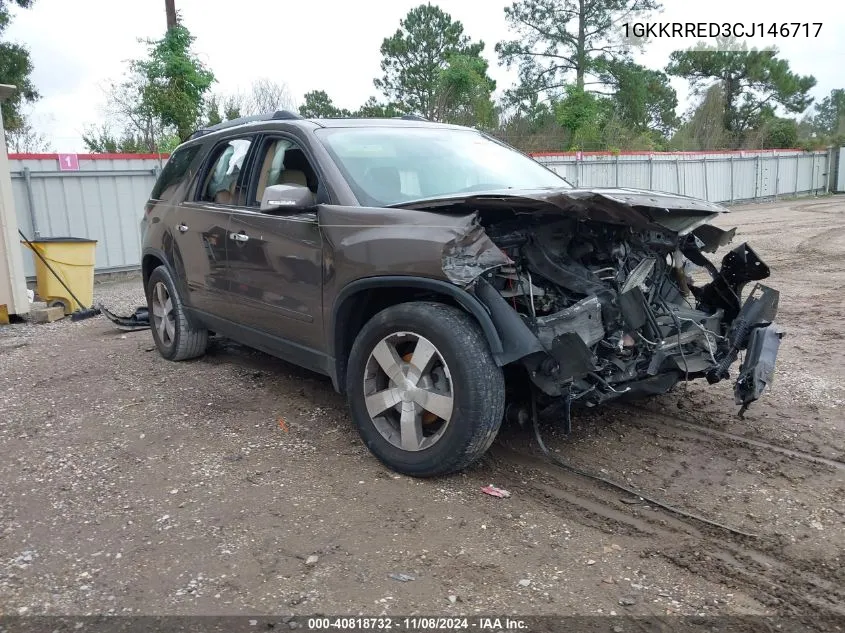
(223, 183)
(173, 172)
(387, 166)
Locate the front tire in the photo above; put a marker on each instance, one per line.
(175, 337)
(423, 388)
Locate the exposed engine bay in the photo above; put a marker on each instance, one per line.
(617, 299)
(617, 310)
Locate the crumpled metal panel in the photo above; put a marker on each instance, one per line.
(635, 207)
(582, 318)
(471, 254)
(363, 242)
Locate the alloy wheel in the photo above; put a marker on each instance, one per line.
(164, 320)
(408, 391)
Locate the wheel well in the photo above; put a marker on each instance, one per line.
(148, 265)
(354, 312)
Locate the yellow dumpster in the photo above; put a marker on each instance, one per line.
(72, 259)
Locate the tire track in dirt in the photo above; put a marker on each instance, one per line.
(819, 207)
(815, 244)
(786, 584)
(701, 431)
(780, 490)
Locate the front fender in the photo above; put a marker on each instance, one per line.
(463, 298)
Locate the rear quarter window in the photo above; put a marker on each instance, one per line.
(174, 171)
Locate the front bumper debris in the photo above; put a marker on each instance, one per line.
(758, 369)
(139, 320)
(753, 330)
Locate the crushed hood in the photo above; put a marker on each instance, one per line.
(635, 207)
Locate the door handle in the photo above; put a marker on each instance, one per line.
(182, 228)
(239, 237)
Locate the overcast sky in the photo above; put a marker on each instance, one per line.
(333, 45)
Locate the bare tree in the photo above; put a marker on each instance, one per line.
(267, 95)
(126, 111)
(262, 97)
(25, 139)
(128, 122)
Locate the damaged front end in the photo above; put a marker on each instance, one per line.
(608, 294)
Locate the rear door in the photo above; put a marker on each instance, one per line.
(275, 260)
(202, 224)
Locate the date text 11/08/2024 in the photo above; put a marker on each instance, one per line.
(416, 623)
(703, 30)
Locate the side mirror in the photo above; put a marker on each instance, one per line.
(286, 198)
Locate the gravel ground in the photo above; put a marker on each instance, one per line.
(133, 485)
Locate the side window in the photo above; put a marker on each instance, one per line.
(174, 171)
(282, 162)
(223, 183)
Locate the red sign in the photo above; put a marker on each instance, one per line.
(68, 162)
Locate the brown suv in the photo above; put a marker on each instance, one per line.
(419, 265)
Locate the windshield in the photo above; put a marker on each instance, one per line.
(386, 166)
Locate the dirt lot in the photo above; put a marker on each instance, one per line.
(130, 484)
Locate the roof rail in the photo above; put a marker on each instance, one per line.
(278, 115)
(284, 115)
(413, 117)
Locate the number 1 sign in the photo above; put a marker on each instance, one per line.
(68, 162)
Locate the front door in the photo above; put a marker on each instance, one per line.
(275, 260)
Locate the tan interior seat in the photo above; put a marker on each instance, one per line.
(280, 167)
(266, 168)
(293, 177)
(225, 196)
(273, 171)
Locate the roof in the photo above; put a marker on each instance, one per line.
(284, 116)
(416, 123)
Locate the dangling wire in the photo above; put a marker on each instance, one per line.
(531, 294)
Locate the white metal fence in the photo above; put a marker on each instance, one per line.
(104, 198)
(724, 177)
(838, 169)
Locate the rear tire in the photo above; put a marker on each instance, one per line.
(444, 404)
(174, 335)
